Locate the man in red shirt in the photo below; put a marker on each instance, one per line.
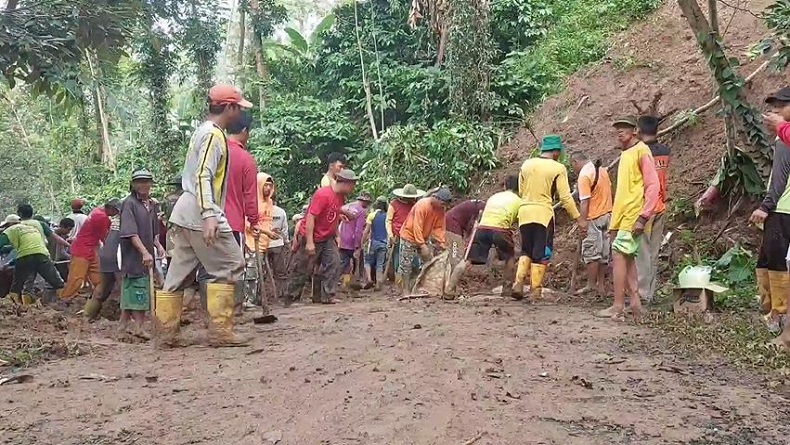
(84, 257)
(318, 240)
(242, 199)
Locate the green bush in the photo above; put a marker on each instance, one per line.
(450, 153)
(580, 36)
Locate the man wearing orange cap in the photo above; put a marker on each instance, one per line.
(78, 216)
(202, 233)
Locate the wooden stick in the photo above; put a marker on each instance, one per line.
(152, 296)
(414, 296)
(713, 101)
(474, 439)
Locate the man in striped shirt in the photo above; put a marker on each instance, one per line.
(202, 233)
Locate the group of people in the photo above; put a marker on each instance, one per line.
(222, 207)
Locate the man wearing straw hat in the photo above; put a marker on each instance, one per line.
(426, 220)
(399, 208)
(351, 236)
(539, 179)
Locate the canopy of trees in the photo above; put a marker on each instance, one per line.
(422, 91)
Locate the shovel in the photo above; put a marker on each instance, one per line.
(266, 318)
(152, 297)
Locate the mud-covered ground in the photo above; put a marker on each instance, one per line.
(379, 371)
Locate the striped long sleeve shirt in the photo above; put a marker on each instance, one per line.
(204, 180)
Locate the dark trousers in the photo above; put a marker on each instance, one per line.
(534, 238)
(277, 258)
(776, 238)
(327, 257)
(108, 284)
(31, 265)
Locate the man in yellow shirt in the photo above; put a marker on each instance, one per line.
(635, 200)
(540, 178)
(500, 214)
(595, 206)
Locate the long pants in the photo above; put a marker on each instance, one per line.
(32, 265)
(222, 260)
(647, 257)
(327, 256)
(776, 237)
(278, 261)
(80, 270)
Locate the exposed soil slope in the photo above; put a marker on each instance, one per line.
(658, 54)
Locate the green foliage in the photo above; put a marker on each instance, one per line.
(777, 17)
(745, 170)
(517, 24)
(469, 55)
(734, 269)
(450, 153)
(580, 36)
(297, 135)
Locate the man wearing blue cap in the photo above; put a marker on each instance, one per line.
(539, 179)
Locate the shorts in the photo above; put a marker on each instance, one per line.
(595, 246)
(775, 242)
(135, 294)
(625, 243)
(487, 238)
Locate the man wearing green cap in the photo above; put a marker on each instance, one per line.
(635, 201)
(539, 179)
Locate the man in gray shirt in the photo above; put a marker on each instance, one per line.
(202, 234)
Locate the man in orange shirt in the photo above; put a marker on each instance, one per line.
(595, 206)
(425, 220)
(650, 243)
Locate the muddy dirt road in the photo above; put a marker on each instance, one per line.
(375, 371)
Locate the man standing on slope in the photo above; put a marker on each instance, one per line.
(634, 203)
(595, 202)
(650, 243)
(202, 233)
(539, 179)
(773, 282)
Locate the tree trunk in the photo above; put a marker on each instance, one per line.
(260, 64)
(106, 153)
(365, 83)
(443, 35)
(713, 12)
(242, 34)
(744, 119)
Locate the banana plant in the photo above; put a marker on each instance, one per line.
(299, 45)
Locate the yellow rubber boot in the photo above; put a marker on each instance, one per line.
(91, 309)
(536, 281)
(763, 290)
(346, 280)
(220, 312)
(780, 286)
(524, 264)
(168, 316)
(15, 298)
(27, 300)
